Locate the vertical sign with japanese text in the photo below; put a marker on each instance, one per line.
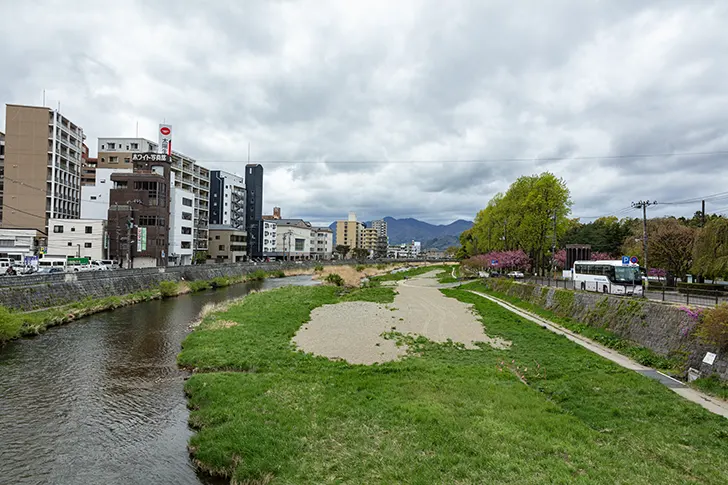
(165, 139)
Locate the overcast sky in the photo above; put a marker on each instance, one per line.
(394, 82)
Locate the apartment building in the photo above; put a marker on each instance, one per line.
(88, 168)
(18, 244)
(227, 199)
(181, 225)
(322, 243)
(2, 172)
(268, 239)
(77, 238)
(381, 227)
(350, 232)
(228, 244)
(189, 176)
(369, 239)
(42, 167)
(139, 211)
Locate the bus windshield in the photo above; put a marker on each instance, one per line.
(627, 274)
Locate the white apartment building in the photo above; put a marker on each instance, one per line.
(181, 226)
(322, 243)
(189, 175)
(227, 199)
(85, 238)
(294, 239)
(270, 241)
(95, 198)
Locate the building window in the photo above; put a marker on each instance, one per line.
(93, 197)
(112, 146)
(299, 244)
(73, 229)
(186, 230)
(113, 159)
(127, 160)
(89, 230)
(58, 229)
(186, 245)
(135, 146)
(221, 247)
(87, 245)
(186, 216)
(187, 202)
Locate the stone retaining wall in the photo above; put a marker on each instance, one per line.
(660, 327)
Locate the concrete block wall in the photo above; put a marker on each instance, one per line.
(661, 327)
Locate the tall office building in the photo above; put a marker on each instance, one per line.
(382, 244)
(189, 176)
(381, 227)
(42, 171)
(254, 209)
(227, 199)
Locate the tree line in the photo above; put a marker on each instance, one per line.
(532, 217)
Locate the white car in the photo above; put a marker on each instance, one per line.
(98, 266)
(516, 275)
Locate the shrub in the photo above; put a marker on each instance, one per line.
(198, 285)
(279, 273)
(258, 275)
(381, 266)
(10, 324)
(335, 279)
(713, 327)
(219, 282)
(168, 289)
(318, 268)
(360, 267)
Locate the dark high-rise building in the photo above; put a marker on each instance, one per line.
(254, 209)
(227, 199)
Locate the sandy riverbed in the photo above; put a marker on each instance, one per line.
(352, 331)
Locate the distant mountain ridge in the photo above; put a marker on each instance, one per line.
(430, 235)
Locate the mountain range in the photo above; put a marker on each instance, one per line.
(430, 235)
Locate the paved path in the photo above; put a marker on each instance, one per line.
(712, 404)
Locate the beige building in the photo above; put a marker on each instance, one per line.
(370, 238)
(228, 244)
(2, 169)
(189, 176)
(42, 169)
(350, 232)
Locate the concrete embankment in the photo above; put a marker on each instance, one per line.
(663, 328)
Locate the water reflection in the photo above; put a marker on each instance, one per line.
(101, 400)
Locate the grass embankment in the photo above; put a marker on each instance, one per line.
(447, 275)
(545, 411)
(416, 271)
(636, 352)
(24, 324)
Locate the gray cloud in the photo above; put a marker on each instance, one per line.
(407, 81)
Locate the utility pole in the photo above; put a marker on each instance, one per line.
(644, 204)
(553, 249)
(702, 216)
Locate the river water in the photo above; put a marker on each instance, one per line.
(100, 400)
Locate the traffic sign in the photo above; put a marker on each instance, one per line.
(493, 262)
(625, 259)
(634, 260)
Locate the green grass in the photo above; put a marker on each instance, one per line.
(636, 352)
(445, 416)
(712, 385)
(168, 289)
(447, 277)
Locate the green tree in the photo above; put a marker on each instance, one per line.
(343, 250)
(604, 235)
(360, 254)
(669, 244)
(710, 250)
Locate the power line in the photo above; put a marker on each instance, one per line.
(480, 160)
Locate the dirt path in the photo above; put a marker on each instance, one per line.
(352, 331)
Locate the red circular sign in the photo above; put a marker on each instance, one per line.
(165, 131)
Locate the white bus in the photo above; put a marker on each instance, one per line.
(608, 277)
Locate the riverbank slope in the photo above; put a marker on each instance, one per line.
(541, 410)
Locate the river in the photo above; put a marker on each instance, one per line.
(100, 400)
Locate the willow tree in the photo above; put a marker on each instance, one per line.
(710, 251)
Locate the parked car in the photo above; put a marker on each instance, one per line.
(516, 275)
(98, 266)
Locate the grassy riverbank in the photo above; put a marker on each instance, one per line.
(545, 411)
(24, 324)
